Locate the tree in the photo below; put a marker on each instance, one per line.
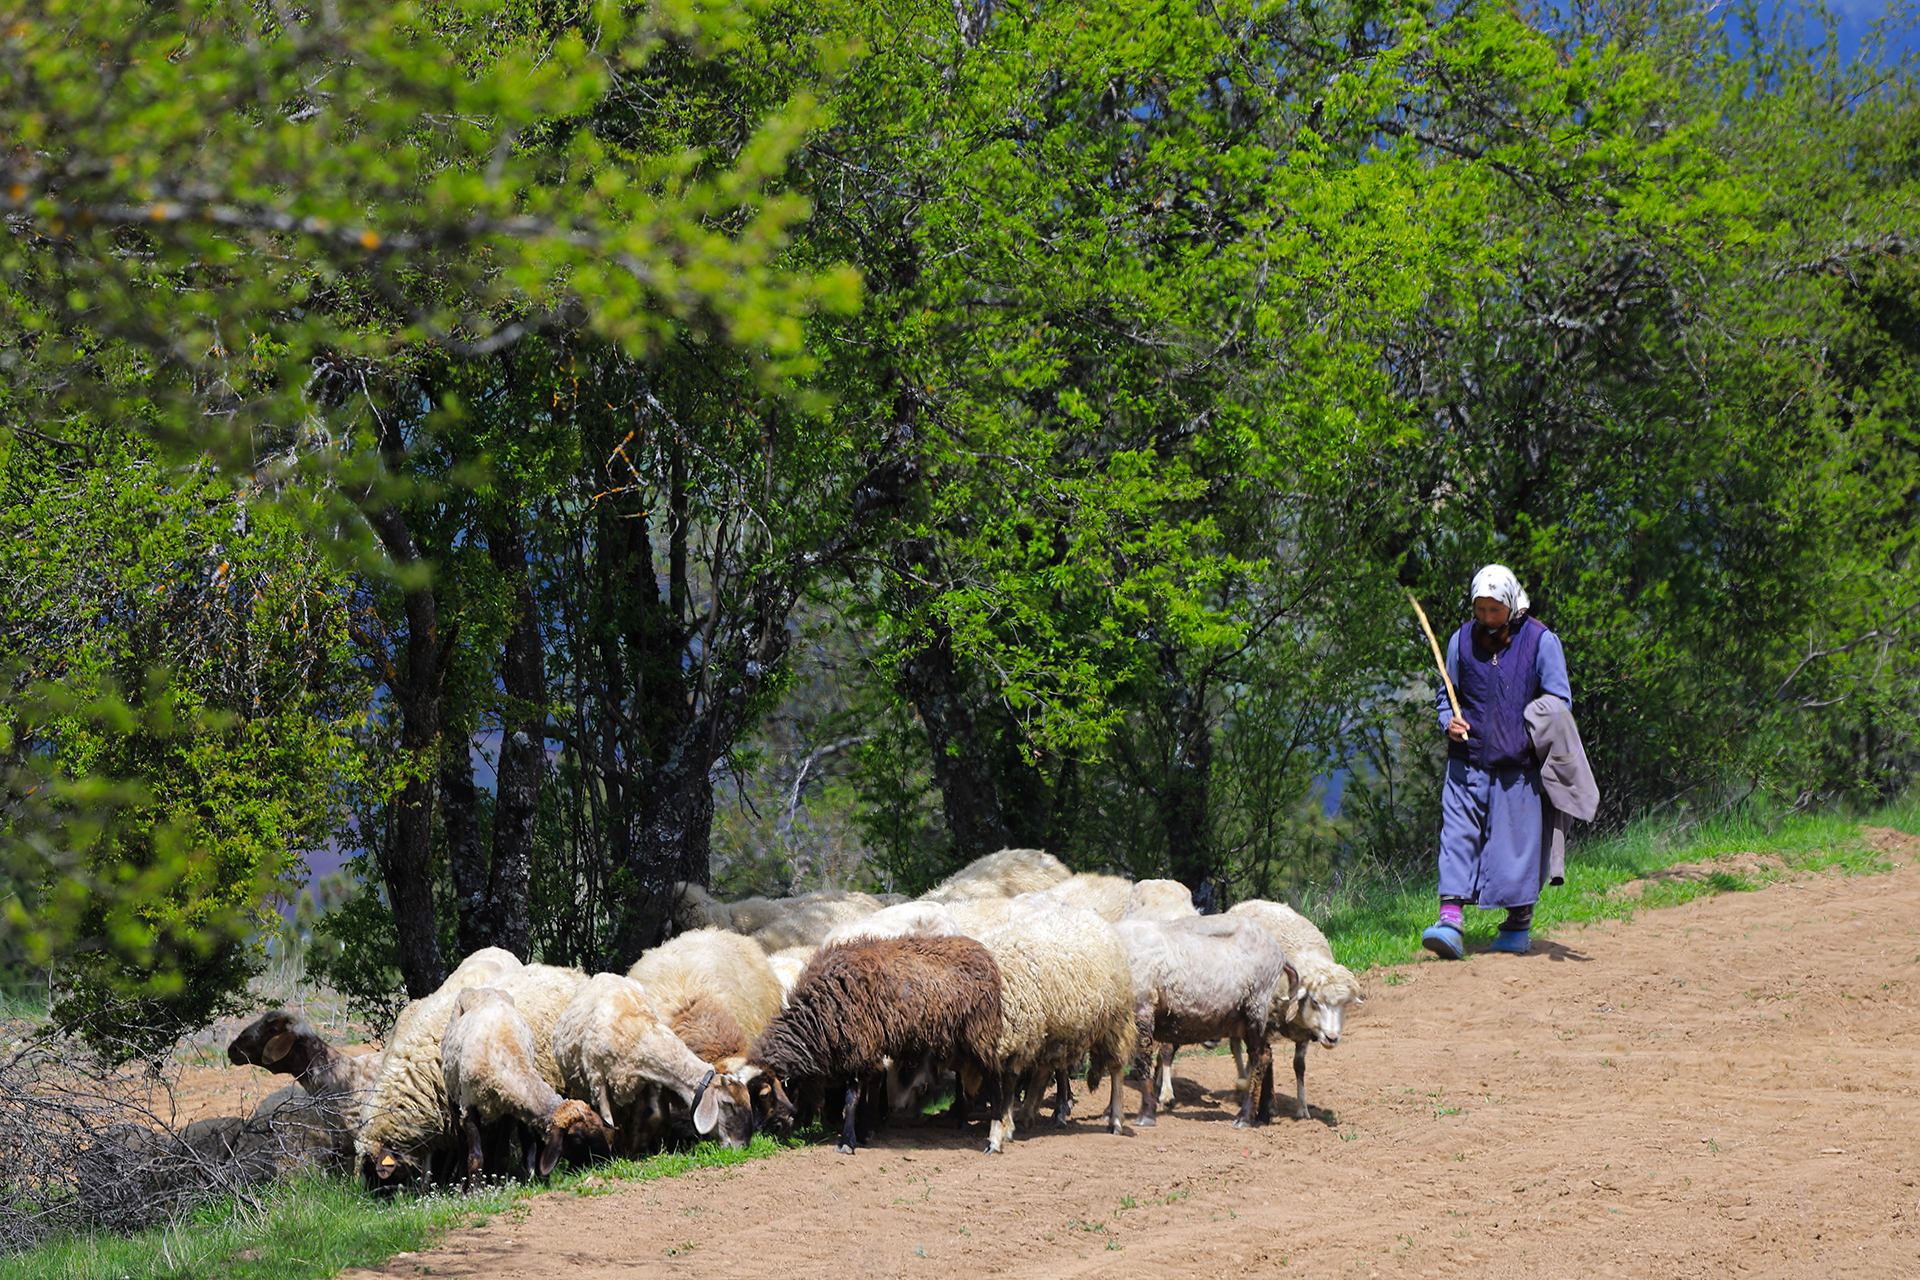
(239, 235)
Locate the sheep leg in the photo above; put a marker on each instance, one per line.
(1259, 1065)
(476, 1148)
(1035, 1086)
(1149, 1096)
(1240, 1080)
(1164, 1074)
(1269, 1102)
(1063, 1096)
(873, 1105)
(1116, 1108)
(1002, 1127)
(1300, 1080)
(497, 1144)
(849, 1137)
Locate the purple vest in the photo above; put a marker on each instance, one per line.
(1494, 690)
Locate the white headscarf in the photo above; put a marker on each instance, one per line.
(1496, 582)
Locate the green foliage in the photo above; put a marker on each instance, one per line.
(354, 952)
(181, 735)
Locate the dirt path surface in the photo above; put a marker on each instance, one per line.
(1725, 1088)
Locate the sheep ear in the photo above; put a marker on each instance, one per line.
(706, 1106)
(550, 1153)
(276, 1048)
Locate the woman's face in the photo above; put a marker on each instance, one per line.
(1490, 613)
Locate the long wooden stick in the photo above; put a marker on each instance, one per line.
(1439, 659)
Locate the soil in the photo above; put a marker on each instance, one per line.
(1724, 1088)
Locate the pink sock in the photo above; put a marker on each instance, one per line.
(1450, 914)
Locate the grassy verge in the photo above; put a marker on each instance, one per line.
(318, 1226)
(1377, 925)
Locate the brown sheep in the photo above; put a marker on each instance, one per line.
(857, 1004)
(287, 1044)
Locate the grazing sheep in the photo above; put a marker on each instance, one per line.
(750, 915)
(1159, 900)
(808, 923)
(1000, 875)
(286, 1044)
(692, 907)
(404, 1122)
(1327, 987)
(1105, 896)
(788, 962)
(616, 1052)
(1066, 992)
(904, 920)
(1204, 978)
(541, 993)
(910, 999)
(480, 968)
(711, 965)
(976, 916)
(405, 1130)
(495, 1092)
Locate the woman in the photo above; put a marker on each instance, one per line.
(1492, 812)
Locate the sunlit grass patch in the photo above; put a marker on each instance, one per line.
(1650, 864)
(320, 1226)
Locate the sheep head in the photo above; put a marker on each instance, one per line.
(283, 1043)
(1320, 1006)
(772, 1110)
(385, 1170)
(722, 1107)
(574, 1132)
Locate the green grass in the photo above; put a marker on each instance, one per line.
(1380, 925)
(318, 1226)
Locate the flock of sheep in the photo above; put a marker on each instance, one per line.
(761, 1014)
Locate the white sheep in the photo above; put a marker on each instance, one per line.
(481, 968)
(706, 973)
(808, 923)
(1159, 900)
(541, 993)
(1203, 978)
(787, 964)
(615, 1051)
(1327, 987)
(903, 920)
(1000, 875)
(1066, 992)
(495, 1092)
(692, 907)
(975, 916)
(404, 1124)
(1105, 896)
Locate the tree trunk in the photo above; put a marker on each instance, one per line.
(523, 753)
(407, 865)
(961, 770)
(467, 861)
(1183, 799)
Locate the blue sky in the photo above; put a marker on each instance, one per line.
(1855, 19)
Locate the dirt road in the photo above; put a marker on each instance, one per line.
(1726, 1088)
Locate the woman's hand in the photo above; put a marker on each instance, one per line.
(1457, 729)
